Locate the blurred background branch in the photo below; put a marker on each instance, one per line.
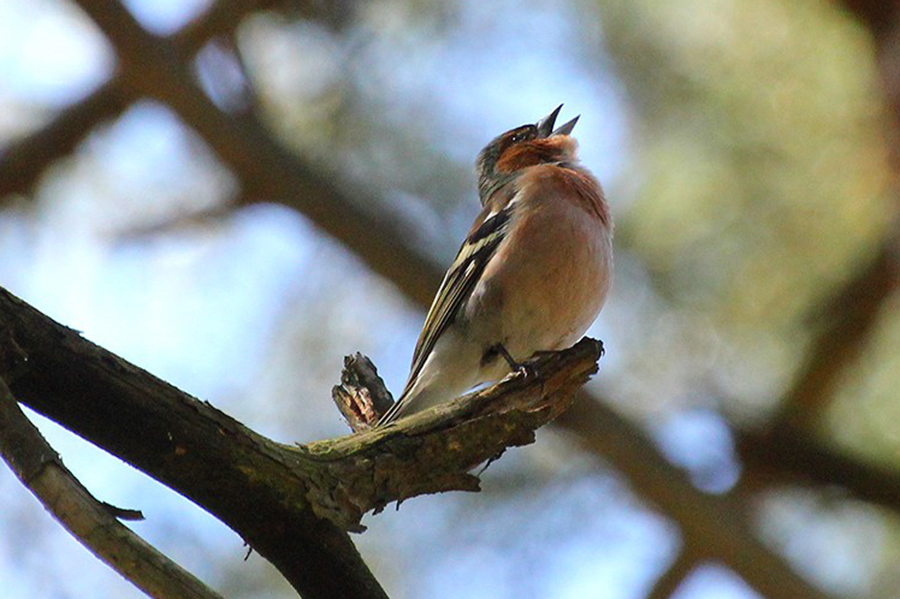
(674, 576)
(847, 323)
(25, 160)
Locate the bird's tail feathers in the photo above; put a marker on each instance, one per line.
(396, 410)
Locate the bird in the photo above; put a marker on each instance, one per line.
(531, 276)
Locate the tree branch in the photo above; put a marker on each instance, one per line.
(853, 313)
(849, 321)
(313, 492)
(90, 521)
(186, 444)
(879, 16)
(788, 446)
(433, 451)
(223, 17)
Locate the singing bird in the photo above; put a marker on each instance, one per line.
(532, 274)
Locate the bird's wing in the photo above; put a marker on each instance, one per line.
(487, 233)
(458, 283)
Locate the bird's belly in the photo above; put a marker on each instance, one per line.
(547, 304)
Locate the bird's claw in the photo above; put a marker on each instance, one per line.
(525, 368)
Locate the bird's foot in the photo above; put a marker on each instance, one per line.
(526, 369)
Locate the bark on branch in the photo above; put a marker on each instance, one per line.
(291, 504)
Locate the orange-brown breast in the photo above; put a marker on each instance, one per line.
(581, 185)
(551, 275)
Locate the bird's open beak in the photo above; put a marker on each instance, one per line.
(545, 125)
(567, 128)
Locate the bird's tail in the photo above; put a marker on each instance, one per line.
(396, 410)
(420, 395)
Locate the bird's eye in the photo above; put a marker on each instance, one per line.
(519, 136)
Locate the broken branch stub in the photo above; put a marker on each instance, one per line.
(433, 451)
(362, 396)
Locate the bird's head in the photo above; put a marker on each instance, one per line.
(524, 146)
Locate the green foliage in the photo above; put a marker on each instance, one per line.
(761, 165)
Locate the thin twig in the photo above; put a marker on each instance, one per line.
(90, 521)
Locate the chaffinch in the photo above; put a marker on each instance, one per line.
(531, 276)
